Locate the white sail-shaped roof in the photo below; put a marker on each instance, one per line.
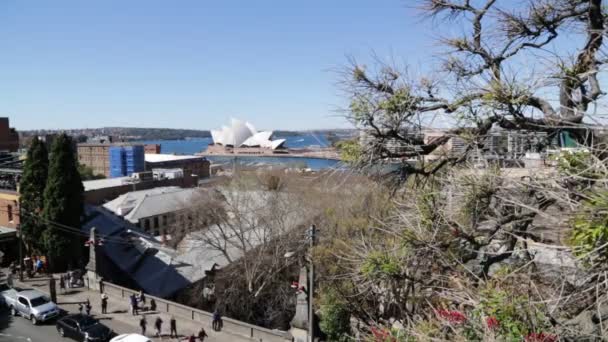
(241, 133)
(261, 139)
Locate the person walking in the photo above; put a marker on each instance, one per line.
(158, 324)
(152, 305)
(217, 320)
(202, 334)
(87, 307)
(173, 325)
(104, 303)
(61, 283)
(80, 308)
(142, 324)
(142, 298)
(133, 305)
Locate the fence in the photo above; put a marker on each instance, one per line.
(229, 325)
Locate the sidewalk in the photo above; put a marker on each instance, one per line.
(119, 317)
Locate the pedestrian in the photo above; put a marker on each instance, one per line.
(173, 325)
(39, 266)
(35, 265)
(142, 324)
(80, 308)
(192, 338)
(217, 320)
(87, 307)
(61, 283)
(142, 298)
(202, 334)
(152, 305)
(133, 305)
(158, 324)
(104, 303)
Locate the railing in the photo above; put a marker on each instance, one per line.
(229, 325)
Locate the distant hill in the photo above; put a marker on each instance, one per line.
(127, 133)
(138, 133)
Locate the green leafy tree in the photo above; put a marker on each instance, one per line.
(63, 205)
(35, 172)
(87, 173)
(335, 316)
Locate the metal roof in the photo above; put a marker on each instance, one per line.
(137, 254)
(159, 158)
(136, 205)
(106, 183)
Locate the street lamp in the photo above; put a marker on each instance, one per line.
(18, 231)
(311, 278)
(93, 241)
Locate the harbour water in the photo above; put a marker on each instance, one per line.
(192, 146)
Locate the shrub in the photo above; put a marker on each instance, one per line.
(335, 316)
(591, 227)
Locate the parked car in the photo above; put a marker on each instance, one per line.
(31, 304)
(3, 287)
(130, 338)
(83, 328)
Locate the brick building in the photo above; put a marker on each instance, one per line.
(97, 156)
(9, 138)
(99, 191)
(192, 165)
(152, 148)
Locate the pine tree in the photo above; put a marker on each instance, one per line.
(32, 185)
(63, 206)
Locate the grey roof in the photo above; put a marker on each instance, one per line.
(136, 205)
(105, 183)
(195, 248)
(162, 271)
(137, 254)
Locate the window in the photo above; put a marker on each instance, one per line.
(70, 323)
(9, 210)
(164, 220)
(156, 222)
(147, 224)
(40, 301)
(23, 301)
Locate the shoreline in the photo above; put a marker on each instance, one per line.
(312, 155)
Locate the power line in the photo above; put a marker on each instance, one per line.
(71, 230)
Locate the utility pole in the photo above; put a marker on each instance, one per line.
(20, 253)
(311, 289)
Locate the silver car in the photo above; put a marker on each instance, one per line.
(33, 305)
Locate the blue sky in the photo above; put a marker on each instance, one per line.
(192, 63)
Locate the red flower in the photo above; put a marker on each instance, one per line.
(492, 322)
(540, 337)
(455, 317)
(382, 335)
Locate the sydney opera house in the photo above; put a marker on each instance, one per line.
(242, 138)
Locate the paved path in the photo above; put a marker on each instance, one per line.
(118, 318)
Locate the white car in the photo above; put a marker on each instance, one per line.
(130, 338)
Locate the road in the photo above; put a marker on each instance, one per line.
(19, 329)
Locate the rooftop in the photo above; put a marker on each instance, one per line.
(136, 205)
(157, 158)
(105, 183)
(138, 254)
